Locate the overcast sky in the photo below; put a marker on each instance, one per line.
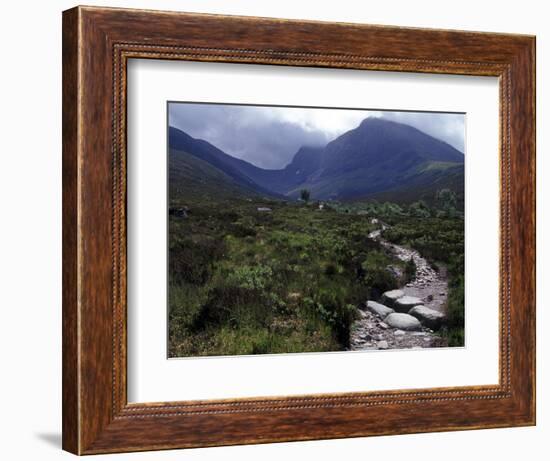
(270, 136)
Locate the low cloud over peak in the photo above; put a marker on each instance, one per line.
(269, 136)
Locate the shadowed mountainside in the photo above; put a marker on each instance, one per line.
(379, 159)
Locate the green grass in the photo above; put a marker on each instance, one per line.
(288, 280)
(438, 166)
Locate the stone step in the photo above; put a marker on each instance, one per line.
(428, 317)
(379, 309)
(389, 297)
(403, 322)
(406, 303)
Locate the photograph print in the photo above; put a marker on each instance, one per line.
(306, 229)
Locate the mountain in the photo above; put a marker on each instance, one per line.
(234, 168)
(378, 158)
(305, 162)
(189, 176)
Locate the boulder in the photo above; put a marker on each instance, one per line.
(389, 297)
(428, 317)
(403, 322)
(406, 303)
(180, 212)
(379, 309)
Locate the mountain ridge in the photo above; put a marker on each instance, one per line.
(375, 157)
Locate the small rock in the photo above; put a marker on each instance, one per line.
(398, 333)
(379, 309)
(383, 325)
(180, 212)
(382, 345)
(403, 322)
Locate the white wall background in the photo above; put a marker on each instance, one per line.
(30, 243)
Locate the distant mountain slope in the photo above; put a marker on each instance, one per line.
(233, 167)
(382, 142)
(304, 163)
(191, 177)
(378, 156)
(425, 186)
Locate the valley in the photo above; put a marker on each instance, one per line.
(378, 160)
(251, 275)
(287, 261)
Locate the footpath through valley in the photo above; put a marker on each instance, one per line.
(408, 317)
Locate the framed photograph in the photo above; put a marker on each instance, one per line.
(282, 230)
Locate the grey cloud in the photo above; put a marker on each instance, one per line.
(247, 132)
(270, 136)
(447, 127)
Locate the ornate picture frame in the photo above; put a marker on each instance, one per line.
(97, 44)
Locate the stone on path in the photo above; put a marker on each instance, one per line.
(406, 303)
(379, 309)
(382, 345)
(428, 317)
(403, 322)
(389, 297)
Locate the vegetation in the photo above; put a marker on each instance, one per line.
(289, 278)
(410, 270)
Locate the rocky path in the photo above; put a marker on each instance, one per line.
(408, 317)
(429, 285)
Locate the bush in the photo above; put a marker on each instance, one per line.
(250, 277)
(376, 276)
(332, 307)
(331, 270)
(240, 230)
(234, 306)
(192, 262)
(410, 270)
(455, 303)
